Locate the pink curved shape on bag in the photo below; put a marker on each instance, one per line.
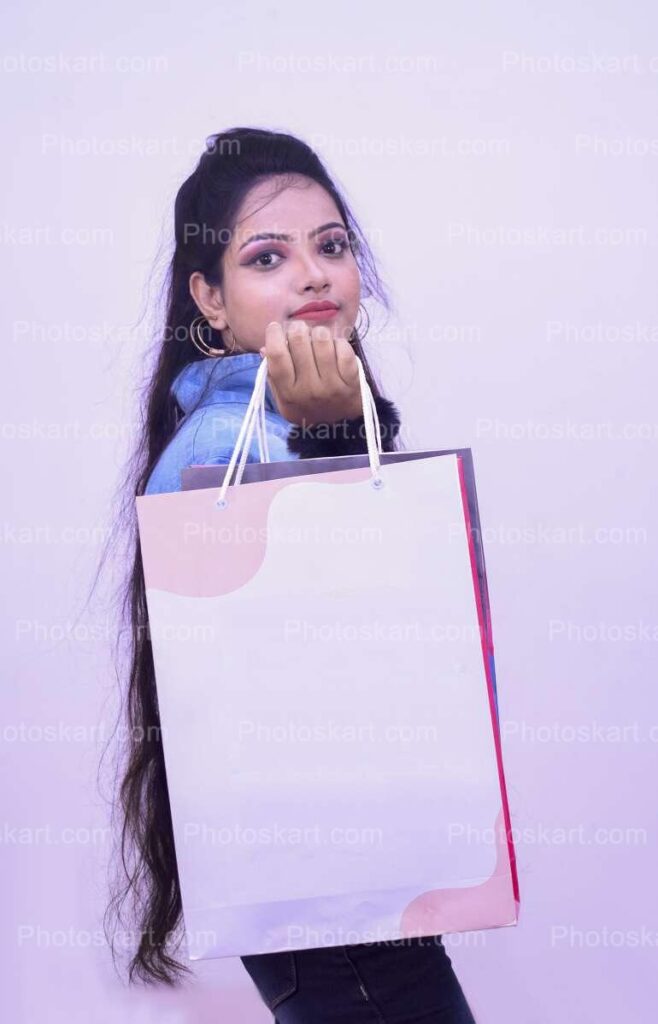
(491, 903)
(192, 548)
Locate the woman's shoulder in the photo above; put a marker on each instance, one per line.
(208, 436)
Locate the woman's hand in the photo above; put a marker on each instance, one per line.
(314, 378)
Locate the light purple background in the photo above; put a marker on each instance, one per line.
(536, 349)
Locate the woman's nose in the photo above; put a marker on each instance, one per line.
(313, 271)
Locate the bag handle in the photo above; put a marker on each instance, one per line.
(255, 417)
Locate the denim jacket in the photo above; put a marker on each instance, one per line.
(214, 393)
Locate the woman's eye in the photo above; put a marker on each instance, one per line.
(261, 256)
(341, 243)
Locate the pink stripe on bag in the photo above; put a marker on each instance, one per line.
(490, 686)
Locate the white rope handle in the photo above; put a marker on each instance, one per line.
(243, 442)
(255, 417)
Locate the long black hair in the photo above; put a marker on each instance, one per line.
(206, 209)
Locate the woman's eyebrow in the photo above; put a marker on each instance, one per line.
(286, 238)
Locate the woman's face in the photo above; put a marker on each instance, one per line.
(269, 279)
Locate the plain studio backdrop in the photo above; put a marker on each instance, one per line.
(502, 160)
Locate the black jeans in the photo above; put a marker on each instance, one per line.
(398, 982)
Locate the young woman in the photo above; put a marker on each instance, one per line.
(268, 262)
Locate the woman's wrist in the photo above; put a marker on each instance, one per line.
(346, 436)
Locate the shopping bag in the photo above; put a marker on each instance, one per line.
(193, 477)
(324, 667)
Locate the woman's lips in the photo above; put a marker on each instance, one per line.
(316, 315)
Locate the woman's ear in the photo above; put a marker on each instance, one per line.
(208, 298)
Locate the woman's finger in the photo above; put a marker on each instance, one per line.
(346, 362)
(279, 363)
(324, 351)
(301, 352)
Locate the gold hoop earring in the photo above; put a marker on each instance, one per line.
(197, 340)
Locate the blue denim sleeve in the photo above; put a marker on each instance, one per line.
(217, 435)
(208, 436)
